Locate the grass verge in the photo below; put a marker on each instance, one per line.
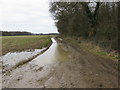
(92, 48)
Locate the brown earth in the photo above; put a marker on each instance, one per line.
(82, 70)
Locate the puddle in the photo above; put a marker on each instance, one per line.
(54, 54)
(35, 73)
(12, 59)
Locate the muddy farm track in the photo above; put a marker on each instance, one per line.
(63, 66)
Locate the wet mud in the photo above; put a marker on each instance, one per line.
(62, 66)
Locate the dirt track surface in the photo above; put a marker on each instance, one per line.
(81, 70)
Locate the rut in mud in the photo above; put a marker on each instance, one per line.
(62, 66)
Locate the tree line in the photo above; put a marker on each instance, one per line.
(15, 33)
(93, 21)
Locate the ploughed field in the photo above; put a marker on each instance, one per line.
(22, 43)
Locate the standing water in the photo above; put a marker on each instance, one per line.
(38, 72)
(54, 54)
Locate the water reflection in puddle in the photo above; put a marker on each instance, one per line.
(38, 71)
(16, 57)
(54, 54)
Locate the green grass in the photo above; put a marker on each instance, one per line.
(21, 43)
(95, 49)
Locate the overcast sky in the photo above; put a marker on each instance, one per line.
(26, 15)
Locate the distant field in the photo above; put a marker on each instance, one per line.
(21, 43)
